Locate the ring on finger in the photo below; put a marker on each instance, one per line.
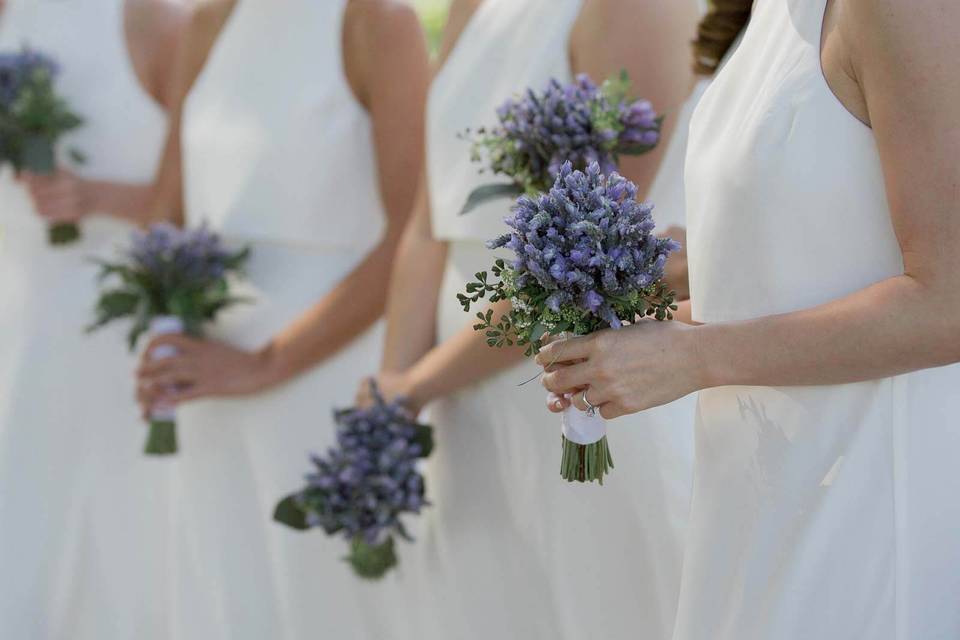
(591, 408)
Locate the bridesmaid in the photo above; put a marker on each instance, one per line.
(825, 499)
(82, 543)
(309, 151)
(509, 549)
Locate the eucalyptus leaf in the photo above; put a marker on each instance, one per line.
(288, 512)
(489, 192)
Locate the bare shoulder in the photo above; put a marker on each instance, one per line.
(384, 22)
(154, 29)
(923, 30)
(161, 19)
(207, 18)
(643, 31)
(642, 17)
(380, 36)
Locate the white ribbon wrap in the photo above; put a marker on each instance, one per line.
(581, 428)
(164, 326)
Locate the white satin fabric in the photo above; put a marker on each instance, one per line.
(509, 549)
(277, 154)
(82, 511)
(822, 512)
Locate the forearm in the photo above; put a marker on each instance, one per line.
(892, 327)
(130, 202)
(414, 295)
(460, 362)
(334, 322)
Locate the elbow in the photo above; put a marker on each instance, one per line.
(945, 328)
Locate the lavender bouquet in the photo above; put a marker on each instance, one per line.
(32, 119)
(585, 259)
(579, 123)
(365, 484)
(170, 281)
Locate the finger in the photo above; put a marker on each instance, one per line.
(146, 395)
(147, 398)
(558, 367)
(174, 370)
(557, 404)
(593, 395)
(363, 393)
(612, 410)
(568, 379)
(49, 187)
(167, 382)
(567, 350)
(59, 211)
(188, 393)
(149, 369)
(577, 401)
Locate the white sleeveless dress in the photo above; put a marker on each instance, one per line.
(825, 512)
(511, 550)
(279, 155)
(82, 510)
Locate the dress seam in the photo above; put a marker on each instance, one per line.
(900, 475)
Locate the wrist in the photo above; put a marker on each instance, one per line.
(709, 372)
(268, 366)
(89, 199)
(414, 388)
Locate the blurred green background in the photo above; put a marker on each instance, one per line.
(434, 15)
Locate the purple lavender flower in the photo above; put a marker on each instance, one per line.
(579, 123)
(363, 486)
(169, 271)
(180, 258)
(603, 248)
(16, 69)
(585, 258)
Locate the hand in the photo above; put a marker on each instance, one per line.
(200, 369)
(391, 385)
(676, 273)
(623, 371)
(60, 196)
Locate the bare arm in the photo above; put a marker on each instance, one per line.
(651, 41)
(390, 70)
(901, 55)
(414, 291)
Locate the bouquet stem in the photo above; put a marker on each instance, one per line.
(586, 454)
(61, 233)
(372, 561)
(162, 438)
(585, 462)
(40, 158)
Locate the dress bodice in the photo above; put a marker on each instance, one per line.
(507, 47)
(275, 145)
(786, 200)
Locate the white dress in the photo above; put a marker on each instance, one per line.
(82, 510)
(279, 155)
(511, 550)
(825, 512)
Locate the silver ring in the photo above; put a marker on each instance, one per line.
(591, 409)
